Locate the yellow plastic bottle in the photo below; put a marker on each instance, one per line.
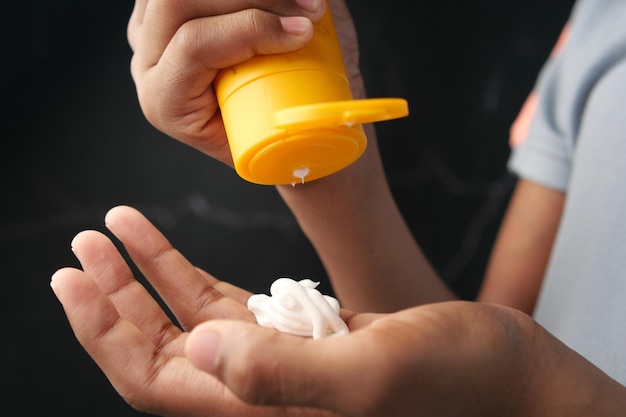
(291, 118)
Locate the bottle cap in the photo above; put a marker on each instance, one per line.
(316, 140)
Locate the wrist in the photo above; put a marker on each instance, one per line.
(563, 383)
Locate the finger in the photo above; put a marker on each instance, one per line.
(229, 290)
(102, 261)
(101, 331)
(147, 380)
(163, 18)
(265, 367)
(135, 21)
(222, 41)
(177, 99)
(190, 296)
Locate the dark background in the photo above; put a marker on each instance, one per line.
(76, 144)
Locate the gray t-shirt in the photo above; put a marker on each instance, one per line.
(577, 143)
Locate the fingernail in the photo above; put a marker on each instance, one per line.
(309, 5)
(202, 350)
(75, 243)
(73, 246)
(295, 25)
(53, 285)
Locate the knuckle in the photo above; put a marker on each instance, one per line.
(254, 376)
(142, 88)
(248, 378)
(189, 38)
(261, 29)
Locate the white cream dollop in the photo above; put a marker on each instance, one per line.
(298, 308)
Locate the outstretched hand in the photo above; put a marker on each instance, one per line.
(131, 338)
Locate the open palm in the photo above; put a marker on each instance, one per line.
(130, 336)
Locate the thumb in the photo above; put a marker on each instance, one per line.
(265, 367)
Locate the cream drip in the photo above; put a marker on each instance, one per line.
(297, 307)
(300, 173)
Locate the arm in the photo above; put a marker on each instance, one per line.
(366, 247)
(353, 222)
(522, 248)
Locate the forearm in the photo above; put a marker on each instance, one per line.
(367, 249)
(563, 383)
(521, 252)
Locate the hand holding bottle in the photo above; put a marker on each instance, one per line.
(179, 47)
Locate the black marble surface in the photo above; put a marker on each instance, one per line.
(76, 144)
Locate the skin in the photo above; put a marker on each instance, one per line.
(444, 357)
